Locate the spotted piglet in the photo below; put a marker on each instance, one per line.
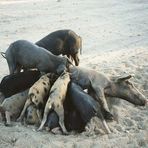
(56, 99)
(31, 116)
(12, 106)
(38, 94)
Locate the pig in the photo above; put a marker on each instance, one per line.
(26, 55)
(65, 42)
(86, 105)
(15, 83)
(72, 119)
(56, 99)
(12, 106)
(124, 89)
(31, 117)
(94, 81)
(38, 94)
(100, 85)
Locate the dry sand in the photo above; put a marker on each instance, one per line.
(115, 42)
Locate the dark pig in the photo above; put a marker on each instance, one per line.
(15, 83)
(65, 42)
(26, 55)
(86, 105)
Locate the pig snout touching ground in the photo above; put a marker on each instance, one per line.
(55, 101)
(12, 106)
(38, 94)
(124, 89)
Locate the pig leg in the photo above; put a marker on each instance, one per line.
(102, 101)
(3, 114)
(39, 115)
(60, 112)
(76, 58)
(11, 69)
(8, 120)
(94, 126)
(46, 111)
(70, 58)
(11, 65)
(106, 126)
(2, 97)
(28, 102)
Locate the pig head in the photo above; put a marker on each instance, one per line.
(124, 89)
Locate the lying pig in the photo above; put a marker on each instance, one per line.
(65, 42)
(12, 106)
(100, 85)
(26, 55)
(15, 83)
(124, 89)
(38, 94)
(56, 99)
(85, 105)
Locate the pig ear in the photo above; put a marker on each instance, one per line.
(124, 78)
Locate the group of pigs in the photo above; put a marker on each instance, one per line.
(45, 89)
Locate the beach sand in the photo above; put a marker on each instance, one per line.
(114, 35)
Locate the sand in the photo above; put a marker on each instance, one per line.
(115, 42)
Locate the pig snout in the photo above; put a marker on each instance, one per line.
(146, 102)
(140, 100)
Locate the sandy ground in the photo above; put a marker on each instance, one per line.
(115, 42)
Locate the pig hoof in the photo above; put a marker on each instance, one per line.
(8, 124)
(65, 134)
(56, 131)
(19, 120)
(108, 116)
(39, 129)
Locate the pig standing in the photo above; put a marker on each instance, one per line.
(65, 42)
(26, 55)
